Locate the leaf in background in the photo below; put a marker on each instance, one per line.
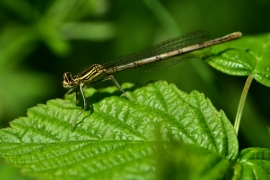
(11, 173)
(55, 32)
(122, 139)
(253, 163)
(186, 162)
(88, 31)
(23, 9)
(16, 43)
(247, 55)
(49, 33)
(19, 90)
(84, 9)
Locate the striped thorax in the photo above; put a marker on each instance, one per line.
(90, 76)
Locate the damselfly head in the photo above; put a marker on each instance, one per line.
(68, 82)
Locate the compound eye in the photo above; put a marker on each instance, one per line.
(71, 83)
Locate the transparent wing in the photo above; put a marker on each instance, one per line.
(179, 42)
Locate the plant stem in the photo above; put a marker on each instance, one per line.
(242, 103)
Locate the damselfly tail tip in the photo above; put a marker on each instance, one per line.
(236, 35)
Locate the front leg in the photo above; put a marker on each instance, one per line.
(76, 91)
(84, 107)
(69, 91)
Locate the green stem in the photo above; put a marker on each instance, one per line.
(242, 103)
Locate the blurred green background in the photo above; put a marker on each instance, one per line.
(40, 40)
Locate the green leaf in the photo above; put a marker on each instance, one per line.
(16, 43)
(123, 139)
(187, 162)
(23, 9)
(14, 98)
(90, 31)
(11, 173)
(253, 163)
(247, 55)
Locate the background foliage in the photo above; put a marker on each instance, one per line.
(39, 40)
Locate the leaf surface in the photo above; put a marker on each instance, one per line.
(244, 56)
(121, 139)
(253, 163)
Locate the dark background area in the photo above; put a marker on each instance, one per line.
(40, 40)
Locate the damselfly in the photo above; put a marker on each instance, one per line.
(162, 55)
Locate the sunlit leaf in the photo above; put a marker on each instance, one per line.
(253, 163)
(122, 139)
(247, 55)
